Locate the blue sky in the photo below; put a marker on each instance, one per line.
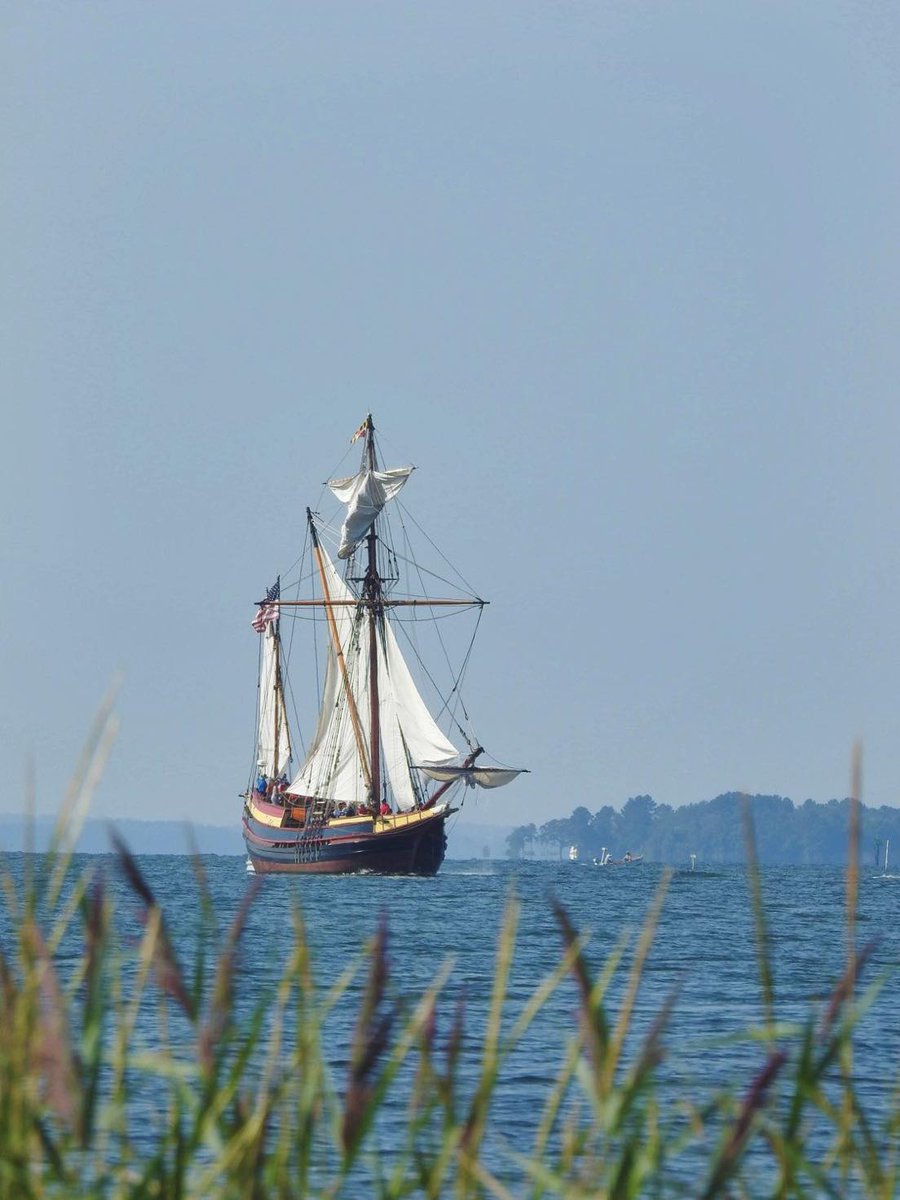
(620, 279)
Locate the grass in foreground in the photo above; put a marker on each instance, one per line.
(248, 1105)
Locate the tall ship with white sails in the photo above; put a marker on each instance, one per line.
(383, 770)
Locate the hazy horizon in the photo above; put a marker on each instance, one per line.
(620, 280)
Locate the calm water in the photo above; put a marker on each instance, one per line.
(704, 945)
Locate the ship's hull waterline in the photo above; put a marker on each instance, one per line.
(397, 846)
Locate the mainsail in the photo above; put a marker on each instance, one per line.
(332, 768)
(409, 734)
(273, 738)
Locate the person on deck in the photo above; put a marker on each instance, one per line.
(261, 782)
(385, 809)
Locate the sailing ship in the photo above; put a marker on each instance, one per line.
(380, 776)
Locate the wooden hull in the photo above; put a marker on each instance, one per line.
(411, 844)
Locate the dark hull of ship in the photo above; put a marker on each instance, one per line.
(414, 850)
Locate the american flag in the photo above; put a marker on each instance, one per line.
(268, 610)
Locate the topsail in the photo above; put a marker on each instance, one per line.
(365, 494)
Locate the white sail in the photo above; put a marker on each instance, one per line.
(486, 777)
(273, 738)
(365, 494)
(409, 733)
(332, 768)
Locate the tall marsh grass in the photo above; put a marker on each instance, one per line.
(250, 1106)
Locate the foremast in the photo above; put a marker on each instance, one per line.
(273, 734)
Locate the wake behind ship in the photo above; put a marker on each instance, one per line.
(380, 776)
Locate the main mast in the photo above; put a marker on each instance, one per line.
(276, 646)
(365, 494)
(372, 596)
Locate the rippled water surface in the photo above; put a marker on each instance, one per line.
(704, 948)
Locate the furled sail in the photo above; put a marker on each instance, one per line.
(273, 738)
(365, 494)
(486, 777)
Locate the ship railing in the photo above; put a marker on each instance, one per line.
(406, 818)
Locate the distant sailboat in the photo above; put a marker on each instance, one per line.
(884, 873)
(373, 791)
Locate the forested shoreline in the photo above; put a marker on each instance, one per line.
(806, 834)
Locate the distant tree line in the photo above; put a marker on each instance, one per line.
(808, 833)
